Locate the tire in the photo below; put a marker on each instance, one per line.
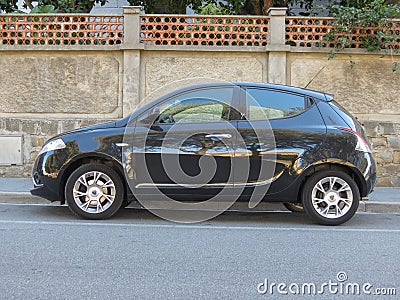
(94, 191)
(294, 207)
(330, 197)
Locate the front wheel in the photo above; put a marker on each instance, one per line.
(330, 197)
(94, 191)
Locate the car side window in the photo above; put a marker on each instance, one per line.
(204, 105)
(263, 103)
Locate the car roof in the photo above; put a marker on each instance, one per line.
(281, 87)
(288, 88)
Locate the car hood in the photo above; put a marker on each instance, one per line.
(89, 128)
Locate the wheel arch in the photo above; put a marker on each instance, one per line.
(88, 158)
(349, 170)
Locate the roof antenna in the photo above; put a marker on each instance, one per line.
(312, 79)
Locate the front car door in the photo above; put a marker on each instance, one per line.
(185, 144)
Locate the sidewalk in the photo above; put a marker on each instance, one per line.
(16, 190)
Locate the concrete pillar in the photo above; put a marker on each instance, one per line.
(277, 67)
(276, 48)
(277, 17)
(131, 81)
(131, 65)
(131, 24)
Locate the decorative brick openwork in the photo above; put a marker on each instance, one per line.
(394, 30)
(307, 32)
(61, 30)
(310, 32)
(204, 30)
(73, 29)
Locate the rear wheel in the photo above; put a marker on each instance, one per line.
(330, 197)
(94, 191)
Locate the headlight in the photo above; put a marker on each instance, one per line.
(52, 145)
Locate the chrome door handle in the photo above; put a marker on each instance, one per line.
(219, 136)
(122, 144)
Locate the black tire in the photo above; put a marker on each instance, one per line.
(336, 197)
(294, 207)
(103, 185)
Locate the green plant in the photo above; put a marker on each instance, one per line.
(51, 6)
(213, 9)
(8, 6)
(371, 19)
(395, 67)
(234, 7)
(72, 6)
(167, 6)
(45, 9)
(259, 7)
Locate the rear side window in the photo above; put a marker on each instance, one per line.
(263, 103)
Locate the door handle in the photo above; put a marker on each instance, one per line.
(219, 136)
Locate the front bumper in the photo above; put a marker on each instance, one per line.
(42, 191)
(46, 184)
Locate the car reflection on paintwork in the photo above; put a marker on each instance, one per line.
(317, 152)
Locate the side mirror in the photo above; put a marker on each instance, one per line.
(155, 111)
(152, 117)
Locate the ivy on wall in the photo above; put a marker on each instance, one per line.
(374, 14)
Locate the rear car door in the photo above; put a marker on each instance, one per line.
(291, 129)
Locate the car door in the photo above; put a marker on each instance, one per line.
(281, 131)
(185, 144)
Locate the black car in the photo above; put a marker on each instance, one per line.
(225, 141)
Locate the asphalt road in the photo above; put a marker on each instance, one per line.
(46, 253)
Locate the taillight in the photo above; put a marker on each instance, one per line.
(362, 144)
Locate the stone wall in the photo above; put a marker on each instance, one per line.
(367, 87)
(160, 68)
(384, 138)
(60, 83)
(47, 90)
(44, 93)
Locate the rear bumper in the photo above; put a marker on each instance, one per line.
(369, 174)
(371, 182)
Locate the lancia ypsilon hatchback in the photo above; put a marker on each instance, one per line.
(244, 141)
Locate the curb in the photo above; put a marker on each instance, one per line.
(379, 207)
(21, 198)
(365, 206)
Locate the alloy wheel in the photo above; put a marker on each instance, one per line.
(94, 192)
(332, 197)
